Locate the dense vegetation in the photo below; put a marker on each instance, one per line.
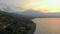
(13, 25)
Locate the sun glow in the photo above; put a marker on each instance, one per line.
(49, 6)
(44, 5)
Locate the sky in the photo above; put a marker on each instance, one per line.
(39, 5)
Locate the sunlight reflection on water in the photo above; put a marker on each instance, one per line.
(47, 25)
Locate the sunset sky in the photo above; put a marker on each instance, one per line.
(39, 5)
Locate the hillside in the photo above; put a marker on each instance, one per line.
(10, 23)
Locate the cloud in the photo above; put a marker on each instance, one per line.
(11, 5)
(40, 5)
(15, 5)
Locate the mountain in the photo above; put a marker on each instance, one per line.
(53, 14)
(37, 14)
(32, 13)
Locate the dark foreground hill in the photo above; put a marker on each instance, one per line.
(10, 23)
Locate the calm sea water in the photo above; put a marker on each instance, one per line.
(47, 25)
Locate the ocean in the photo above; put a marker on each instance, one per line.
(47, 25)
